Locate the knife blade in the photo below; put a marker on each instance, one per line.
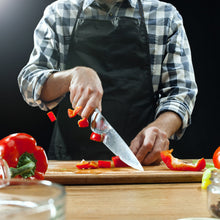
(113, 140)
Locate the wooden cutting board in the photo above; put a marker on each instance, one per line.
(65, 172)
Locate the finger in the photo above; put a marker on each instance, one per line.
(81, 102)
(146, 147)
(136, 143)
(90, 106)
(94, 101)
(72, 95)
(78, 99)
(100, 106)
(154, 156)
(151, 158)
(88, 110)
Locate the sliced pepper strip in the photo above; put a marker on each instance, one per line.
(118, 162)
(104, 164)
(74, 112)
(83, 165)
(51, 116)
(83, 123)
(176, 164)
(87, 165)
(93, 165)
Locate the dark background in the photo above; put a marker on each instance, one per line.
(18, 19)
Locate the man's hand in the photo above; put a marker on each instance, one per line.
(83, 84)
(85, 90)
(148, 144)
(153, 139)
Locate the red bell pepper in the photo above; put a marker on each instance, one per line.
(25, 159)
(96, 137)
(87, 165)
(118, 162)
(83, 123)
(216, 158)
(51, 116)
(74, 112)
(176, 164)
(104, 164)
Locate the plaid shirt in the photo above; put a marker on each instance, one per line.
(171, 65)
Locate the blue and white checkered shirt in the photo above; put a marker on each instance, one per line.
(171, 64)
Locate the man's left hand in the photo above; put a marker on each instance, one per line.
(154, 138)
(148, 144)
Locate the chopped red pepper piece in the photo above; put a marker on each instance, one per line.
(176, 164)
(93, 165)
(96, 137)
(23, 156)
(51, 116)
(118, 162)
(83, 165)
(87, 165)
(83, 123)
(104, 164)
(74, 112)
(70, 113)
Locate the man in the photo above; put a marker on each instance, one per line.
(129, 58)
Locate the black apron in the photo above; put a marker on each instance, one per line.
(118, 50)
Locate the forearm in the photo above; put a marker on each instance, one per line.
(56, 85)
(83, 84)
(169, 122)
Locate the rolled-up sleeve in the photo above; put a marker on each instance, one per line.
(43, 62)
(178, 88)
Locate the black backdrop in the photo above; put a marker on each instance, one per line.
(18, 19)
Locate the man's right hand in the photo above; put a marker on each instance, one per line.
(85, 90)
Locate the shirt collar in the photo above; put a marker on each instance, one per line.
(86, 3)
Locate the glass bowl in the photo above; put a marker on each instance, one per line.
(31, 199)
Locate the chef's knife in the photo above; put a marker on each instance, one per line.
(113, 140)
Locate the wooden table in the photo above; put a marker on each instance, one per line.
(136, 201)
(127, 194)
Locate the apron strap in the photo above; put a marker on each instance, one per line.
(144, 35)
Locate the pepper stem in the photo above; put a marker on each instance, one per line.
(26, 166)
